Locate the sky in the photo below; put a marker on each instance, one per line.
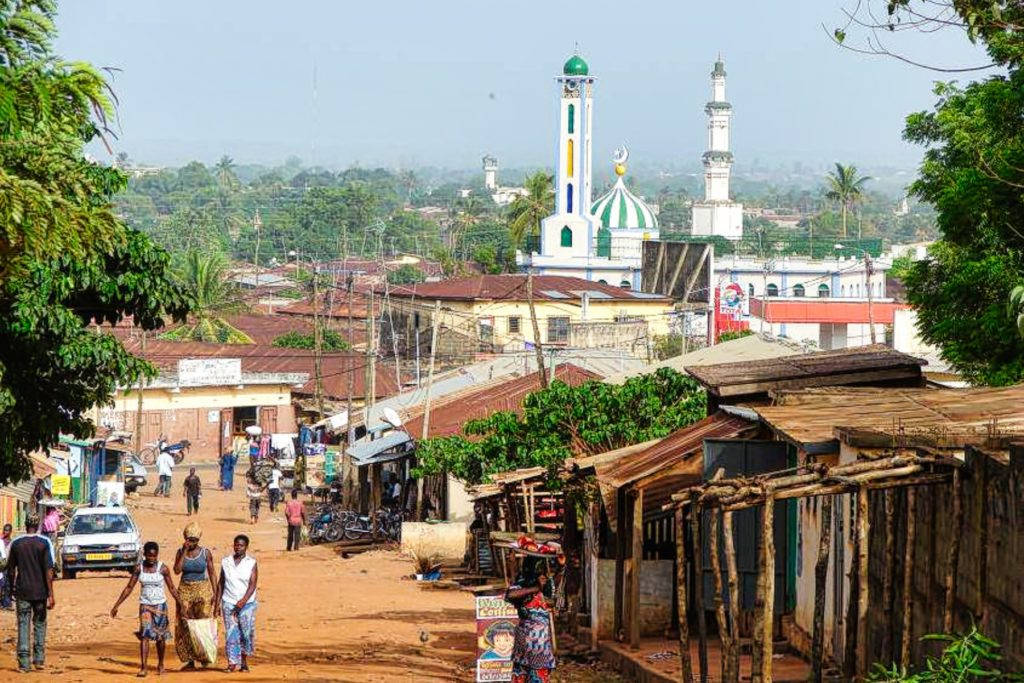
(413, 83)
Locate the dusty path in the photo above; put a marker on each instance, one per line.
(320, 617)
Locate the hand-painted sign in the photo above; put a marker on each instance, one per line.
(496, 623)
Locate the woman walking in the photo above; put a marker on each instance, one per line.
(227, 470)
(236, 594)
(533, 656)
(154, 623)
(197, 588)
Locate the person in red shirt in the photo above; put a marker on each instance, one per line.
(295, 514)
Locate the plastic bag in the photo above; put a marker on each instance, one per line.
(203, 633)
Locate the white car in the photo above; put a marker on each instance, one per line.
(100, 538)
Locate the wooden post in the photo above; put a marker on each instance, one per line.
(684, 626)
(733, 655)
(590, 532)
(138, 408)
(981, 529)
(620, 563)
(426, 406)
(863, 589)
(536, 329)
(757, 634)
(887, 574)
(953, 556)
(716, 575)
(375, 480)
(698, 588)
(850, 620)
(908, 579)
(820, 581)
(638, 556)
(768, 569)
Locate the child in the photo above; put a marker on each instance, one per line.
(154, 621)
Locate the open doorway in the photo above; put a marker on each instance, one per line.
(243, 417)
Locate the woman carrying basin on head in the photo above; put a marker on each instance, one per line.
(198, 585)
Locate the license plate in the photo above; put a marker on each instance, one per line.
(98, 557)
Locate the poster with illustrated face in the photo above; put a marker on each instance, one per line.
(496, 636)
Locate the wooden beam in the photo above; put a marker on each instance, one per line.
(888, 572)
(590, 541)
(908, 580)
(953, 556)
(690, 281)
(716, 575)
(863, 587)
(768, 568)
(653, 285)
(732, 673)
(638, 556)
(678, 268)
(684, 626)
(698, 589)
(820, 582)
(620, 563)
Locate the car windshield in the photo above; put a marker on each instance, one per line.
(100, 524)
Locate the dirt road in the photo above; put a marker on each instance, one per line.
(320, 617)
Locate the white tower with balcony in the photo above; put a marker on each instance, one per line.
(717, 214)
(491, 173)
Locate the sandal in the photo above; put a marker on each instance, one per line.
(244, 667)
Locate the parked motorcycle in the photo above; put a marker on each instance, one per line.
(177, 450)
(389, 526)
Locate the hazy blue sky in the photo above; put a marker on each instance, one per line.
(418, 83)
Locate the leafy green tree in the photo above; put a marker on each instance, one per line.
(562, 421)
(845, 188)
(406, 274)
(204, 276)
(526, 213)
(66, 262)
(330, 341)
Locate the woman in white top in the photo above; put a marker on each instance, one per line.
(237, 600)
(154, 621)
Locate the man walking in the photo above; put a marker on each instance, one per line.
(164, 467)
(274, 487)
(30, 573)
(295, 514)
(192, 487)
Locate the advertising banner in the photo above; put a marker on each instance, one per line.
(496, 623)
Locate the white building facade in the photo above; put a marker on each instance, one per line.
(502, 196)
(717, 214)
(573, 241)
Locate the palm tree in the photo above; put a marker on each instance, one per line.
(203, 275)
(225, 169)
(468, 214)
(525, 213)
(845, 187)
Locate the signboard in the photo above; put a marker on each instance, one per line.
(60, 484)
(496, 623)
(200, 372)
(731, 299)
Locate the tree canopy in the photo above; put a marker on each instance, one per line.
(563, 421)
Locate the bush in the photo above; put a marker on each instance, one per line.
(332, 341)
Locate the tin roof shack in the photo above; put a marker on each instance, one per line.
(751, 381)
(957, 525)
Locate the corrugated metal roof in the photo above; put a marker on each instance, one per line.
(752, 347)
(513, 288)
(824, 368)
(448, 416)
(369, 452)
(668, 465)
(811, 416)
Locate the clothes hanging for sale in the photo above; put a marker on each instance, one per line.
(265, 445)
(283, 444)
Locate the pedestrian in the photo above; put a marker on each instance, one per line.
(51, 523)
(295, 514)
(274, 487)
(30, 575)
(154, 621)
(192, 487)
(6, 600)
(236, 594)
(533, 656)
(227, 470)
(197, 589)
(253, 493)
(164, 467)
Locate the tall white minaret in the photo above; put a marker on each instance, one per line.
(490, 172)
(718, 214)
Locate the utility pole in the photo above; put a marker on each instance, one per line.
(257, 224)
(370, 366)
(536, 330)
(869, 269)
(138, 409)
(352, 370)
(426, 407)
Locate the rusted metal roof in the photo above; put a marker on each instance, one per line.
(825, 368)
(810, 418)
(450, 414)
(513, 288)
(668, 465)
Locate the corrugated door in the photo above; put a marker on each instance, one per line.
(268, 419)
(742, 458)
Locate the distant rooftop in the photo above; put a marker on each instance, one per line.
(513, 288)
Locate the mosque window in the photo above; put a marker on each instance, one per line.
(603, 282)
(798, 290)
(568, 161)
(568, 198)
(823, 291)
(572, 118)
(567, 235)
(626, 284)
(772, 290)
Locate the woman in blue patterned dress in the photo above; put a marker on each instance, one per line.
(533, 656)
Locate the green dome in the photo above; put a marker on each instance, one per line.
(575, 67)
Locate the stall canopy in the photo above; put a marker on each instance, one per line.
(388, 447)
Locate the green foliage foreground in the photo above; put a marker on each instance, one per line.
(968, 657)
(564, 421)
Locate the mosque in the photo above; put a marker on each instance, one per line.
(602, 240)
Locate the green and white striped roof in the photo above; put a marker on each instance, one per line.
(621, 209)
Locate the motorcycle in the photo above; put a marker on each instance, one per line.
(389, 526)
(178, 450)
(328, 525)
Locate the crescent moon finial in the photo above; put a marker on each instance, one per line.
(620, 155)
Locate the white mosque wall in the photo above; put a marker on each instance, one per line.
(725, 220)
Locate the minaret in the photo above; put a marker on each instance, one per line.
(490, 173)
(718, 214)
